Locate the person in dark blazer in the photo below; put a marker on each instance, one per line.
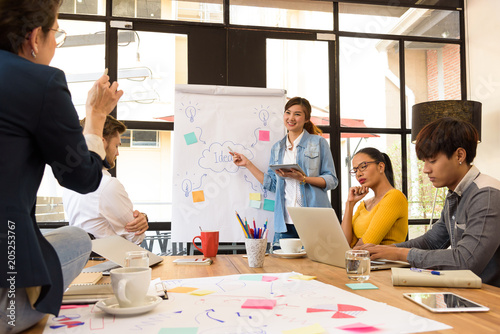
(39, 126)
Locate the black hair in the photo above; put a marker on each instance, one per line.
(380, 157)
(18, 18)
(446, 135)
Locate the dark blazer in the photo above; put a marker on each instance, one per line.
(38, 126)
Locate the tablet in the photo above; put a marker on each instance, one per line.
(445, 302)
(287, 167)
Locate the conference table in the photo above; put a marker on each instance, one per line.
(484, 322)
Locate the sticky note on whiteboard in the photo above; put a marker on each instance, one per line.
(255, 204)
(198, 196)
(263, 135)
(255, 196)
(268, 205)
(190, 138)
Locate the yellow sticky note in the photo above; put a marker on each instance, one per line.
(198, 196)
(182, 289)
(255, 196)
(201, 292)
(313, 329)
(303, 277)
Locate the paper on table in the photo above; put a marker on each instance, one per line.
(329, 306)
(313, 329)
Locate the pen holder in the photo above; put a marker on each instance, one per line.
(256, 252)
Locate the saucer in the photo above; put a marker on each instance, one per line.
(280, 253)
(111, 306)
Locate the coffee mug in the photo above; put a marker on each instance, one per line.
(209, 243)
(137, 259)
(130, 285)
(291, 245)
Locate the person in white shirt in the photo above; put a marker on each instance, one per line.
(107, 211)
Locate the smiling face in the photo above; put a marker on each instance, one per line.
(443, 172)
(372, 174)
(294, 118)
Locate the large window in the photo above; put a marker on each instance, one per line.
(362, 67)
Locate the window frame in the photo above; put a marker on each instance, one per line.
(218, 44)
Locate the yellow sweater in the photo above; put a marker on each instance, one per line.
(384, 224)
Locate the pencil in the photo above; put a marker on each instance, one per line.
(241, 224)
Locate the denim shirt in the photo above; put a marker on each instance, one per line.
(470, 224)
(315, 159)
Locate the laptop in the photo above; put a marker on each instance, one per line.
(114, 249)
(323, 239)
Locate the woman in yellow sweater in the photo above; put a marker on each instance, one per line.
(383, 218)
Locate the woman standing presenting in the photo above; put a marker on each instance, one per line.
(39, 126)
(382, 219)
(304, 146)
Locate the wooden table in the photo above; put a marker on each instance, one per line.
(489, 296)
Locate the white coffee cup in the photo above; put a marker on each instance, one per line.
(130, 285)
(291, 246)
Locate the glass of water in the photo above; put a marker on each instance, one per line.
(357, 265)
(137, 259)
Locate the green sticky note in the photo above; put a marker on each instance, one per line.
(255, 204)
(179, 330)
(190, 138)
(268, 205)
(362, 286)
(250, 278)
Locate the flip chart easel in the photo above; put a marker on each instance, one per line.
(207, 186)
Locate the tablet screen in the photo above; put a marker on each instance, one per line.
(445, 302)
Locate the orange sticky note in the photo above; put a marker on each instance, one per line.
(303, 277)
(182, 289)
(198, 196)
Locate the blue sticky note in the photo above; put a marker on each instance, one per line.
(268, 205)
(362, 286)
(255, 204)
(190, 138)
(250, 278)
(179, 330)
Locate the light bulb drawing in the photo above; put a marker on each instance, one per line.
(187, 186)
(190, 111)
(264, 116)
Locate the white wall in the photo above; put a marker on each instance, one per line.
(483, 75)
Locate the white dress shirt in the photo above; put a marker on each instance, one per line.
(292, 186)
(104, 212)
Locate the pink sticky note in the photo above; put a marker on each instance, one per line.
(269, 278)
(359, 328)
(263, 135)
(265, 304)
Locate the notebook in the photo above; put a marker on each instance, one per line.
(114, 249)
(323, 239)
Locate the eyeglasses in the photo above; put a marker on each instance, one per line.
(362, 166)
(60, 37)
